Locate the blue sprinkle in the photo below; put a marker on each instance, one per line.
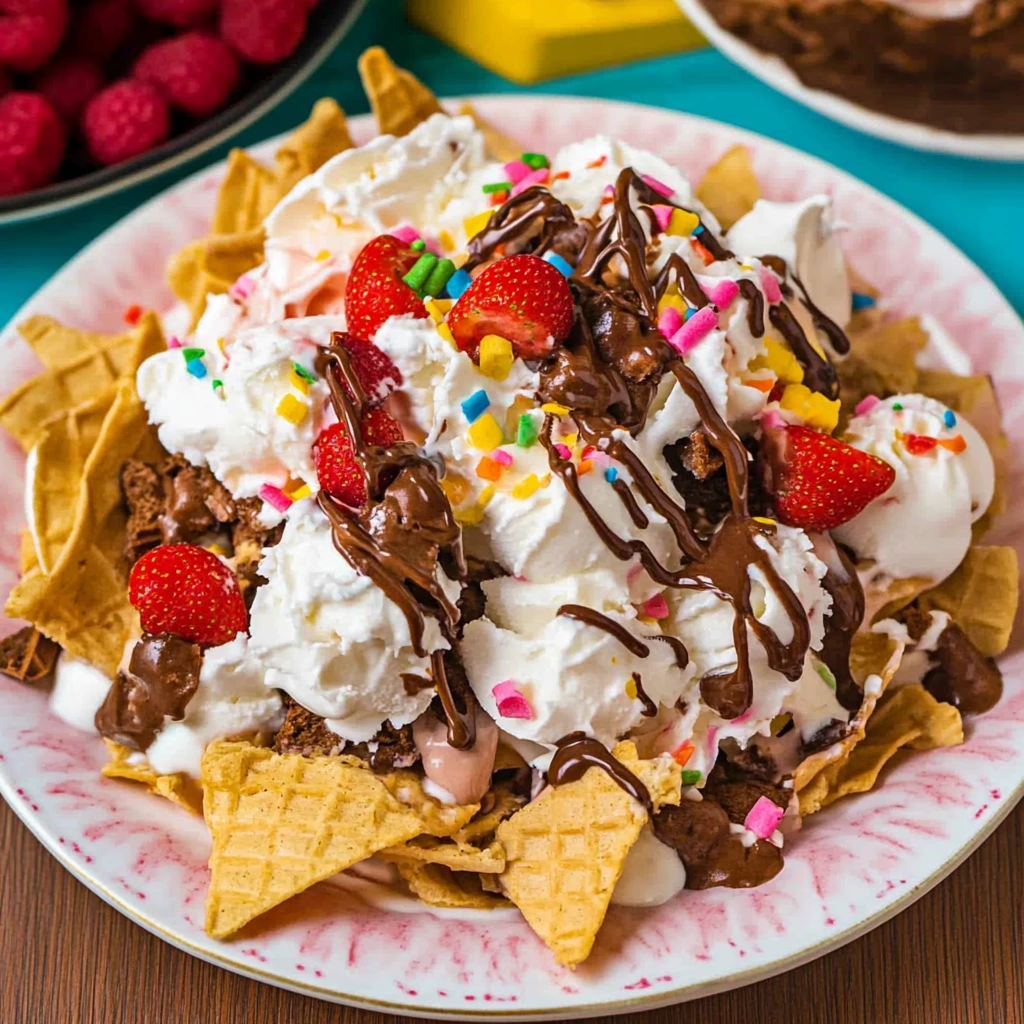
(458, 283)
(197, 368)
(611, 474)
(698, 230)
(949, 418)
(690, 312)
(561, 265)
(862, 301)
(475, 406)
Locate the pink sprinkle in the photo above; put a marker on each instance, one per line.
(502, 458)
(537, 177)
(406, 234)
(694, 331)
(656, 607)
(770, 285)
(763, 818)
(511, 702)
(658, 186)
(564, 451)
(275, 497)
(433, 246)
(242, 288)
(663, 214)
(865, 405)
(174, 341)
(517, 170)
(609, 190)
(670, 321)
(771, 419)
(721, 293)
(602, 459)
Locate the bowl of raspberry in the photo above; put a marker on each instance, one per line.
(96, 95)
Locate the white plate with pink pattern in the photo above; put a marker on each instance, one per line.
(851, 868)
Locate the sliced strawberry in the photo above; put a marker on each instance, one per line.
(377, 375)
(335, 460)
(522, 298)
(375, 289)
(188, 592)
(818, 482)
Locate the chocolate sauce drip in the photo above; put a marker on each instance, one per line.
(819, 374)
(677, 267)
(401, 536)
(592, 617)
(843, 621)
(577, 753)
(414, 683)
(678, 648)
(650, 708)
(755, 307)
(836, 335)
(636, 513)
(962, 675)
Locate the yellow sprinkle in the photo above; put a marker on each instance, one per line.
(322, 255)
(445, 238)
(780, 360)
(554, 409)
(779, 723)
(764, 521)
(292, 410)
(675, 302)
(433, 308)
(475, 224)
(526, 487)
(682, 223)
(745, 266)
(631, 688)
(571, 439)
(485, 433)
(647, 621)
(446, 332)
(455, 487)
(545, 480)
(217, 550)
(298, 382)
(300, 492)
(496, 356)
(220, 345)
(471, 515)
(813, 408)
(485, 496)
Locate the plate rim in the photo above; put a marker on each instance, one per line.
(663, 998)
(775, 73)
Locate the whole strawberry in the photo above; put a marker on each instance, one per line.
(31, 142)
(377, 374)
(188, 592)
(335, 461)
(30, 32)
(195, 72)
(124, 120)
(182, 13)
(69, 84)
(522, 298)
(375, 290)
(819, 482)
(263, 31)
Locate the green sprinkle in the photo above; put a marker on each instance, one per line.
(497, 186)
(897, 406)
(216, 383)
(193, 353)
(417, 277)
(419, 245)
(690, 777)
(826, 673)
(526, 434)
(305, 374)
(535, 160)
(439, 278)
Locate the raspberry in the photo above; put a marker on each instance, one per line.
(30, 32)
(182, 13)
(196, 72)
(6, 85)
(263, 31)
(31, 142)
(102, 28)
(69, 84)
(124, 120)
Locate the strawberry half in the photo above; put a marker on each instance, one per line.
(820, 483)
(377, 374)
(522, 298)
(188, 592)
(335, 460)
(375, 289)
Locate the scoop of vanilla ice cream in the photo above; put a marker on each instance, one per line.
(921, 526)
(330, 637)
(801, 233)
(236, 429)
(231, 700)
(651, 875)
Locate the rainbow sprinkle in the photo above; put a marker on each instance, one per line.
(488, 469)
(535, 160)
(526, 487)
(485, 433)
(292, 410)
(554, 409)
(611, 474)
(510, 700)
(275, 497)
(503, 458)
(563, 266)
(197, 368)
(526, 432)
(949, 418)
(496, 356)
(458, 283)
(690, 776)
(476, 405)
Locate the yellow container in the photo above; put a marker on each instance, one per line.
(531, 40)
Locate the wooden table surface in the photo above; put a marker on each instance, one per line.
(954, 957)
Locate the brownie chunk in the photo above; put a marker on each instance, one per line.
(143, 490)
(304, 733)
(693, 829)
(737, 796)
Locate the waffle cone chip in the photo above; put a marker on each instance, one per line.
(399, 100)
(440, 886)
(488, 860)
(504, 802)
(729, 187)
(874, 660)
(884, 596)
(179, 788)
(660, 775)
(282, 822)
(438, 819)
(27, 656)
(499, 145)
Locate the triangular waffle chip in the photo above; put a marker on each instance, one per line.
(439, 886)
(80, 366)
(324, 135)
(438, 819)
(729, 187)
(499, 145)
(178, 788)
(981, 597)
(504, 802)
(565, 852)
(27, 656)
(399, 100)
(874, 660)
(661, 775)
(457, 856)
(282, 822)
(884, 596)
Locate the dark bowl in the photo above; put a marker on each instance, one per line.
(328, 22)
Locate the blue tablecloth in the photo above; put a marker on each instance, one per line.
(978, 205)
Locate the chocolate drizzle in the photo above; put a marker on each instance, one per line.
(843, 621)
(592, 617)
(577, 753)
(819, 374)
(650, 708)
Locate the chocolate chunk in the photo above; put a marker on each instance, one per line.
(304, 733)
(195, 501)
(736, 798)
(828, 734)
(389, 749)
(472, 603)
(143, 490)
(749, 763)
(630, 344)
(693, 829)
(27, 655)
(963, 676)
(736, 866)
(162, 676)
